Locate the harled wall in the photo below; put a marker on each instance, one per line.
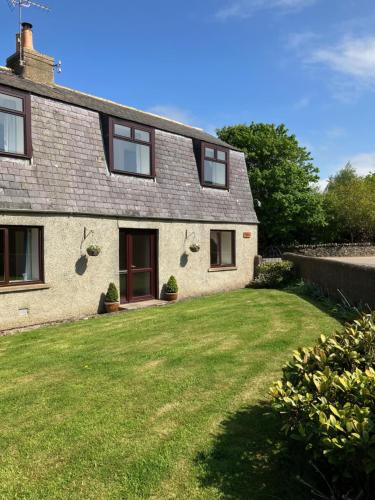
(75, 286)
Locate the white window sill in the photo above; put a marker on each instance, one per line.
(23, 288)
(218, 269)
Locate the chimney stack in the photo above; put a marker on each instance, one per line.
(29, 63)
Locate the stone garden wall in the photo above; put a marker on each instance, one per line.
(354, 281)
(334, 250)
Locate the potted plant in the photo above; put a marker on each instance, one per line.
(111, 301)
(93, 250)
(171, 289)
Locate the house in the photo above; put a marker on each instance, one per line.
(78, 170)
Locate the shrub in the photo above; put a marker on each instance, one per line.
(326, 399)
(171, 286)
(112, 293)
(275, 275)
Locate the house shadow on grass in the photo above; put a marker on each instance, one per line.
(247, 461)
(328, 305)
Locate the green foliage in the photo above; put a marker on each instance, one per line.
(171, 286)
(275, 275)
(327, 402)
(112, 293)
(281, 175)
(349, 202)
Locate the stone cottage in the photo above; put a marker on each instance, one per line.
(158, 198)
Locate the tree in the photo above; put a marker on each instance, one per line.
(349, 202)
(283, 180)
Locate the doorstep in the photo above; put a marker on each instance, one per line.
(142, 305)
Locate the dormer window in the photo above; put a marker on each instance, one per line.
(214, 168)
(15, 136)
(131, 148)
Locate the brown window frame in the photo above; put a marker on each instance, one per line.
(6, 281)
(225, 162)
(133, 126)
(233, 235)
(26, 115)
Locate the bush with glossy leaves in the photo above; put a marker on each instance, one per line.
(326, 399)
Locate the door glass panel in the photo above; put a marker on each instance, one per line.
(122, 252)
(2, 271)
(141, 284)
(141, 251)
(11, 133)
(123, 285)
(226, 248)
(24, 255)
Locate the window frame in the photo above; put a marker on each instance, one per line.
(233, 237)
(26, 115)
(133, 126)
(6, 282)
(215, 159)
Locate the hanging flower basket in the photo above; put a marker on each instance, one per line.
(93, 250)
(195, 247)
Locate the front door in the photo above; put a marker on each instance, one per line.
(137, 265)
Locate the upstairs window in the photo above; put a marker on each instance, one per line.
(131, 148)
(223, 249)
(15, 136)
(21, 254)
(214, 167)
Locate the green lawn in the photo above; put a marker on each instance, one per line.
(162, 403)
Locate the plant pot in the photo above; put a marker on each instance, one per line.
(111, 307)
(171, 296)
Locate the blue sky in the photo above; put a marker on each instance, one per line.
(307, 63)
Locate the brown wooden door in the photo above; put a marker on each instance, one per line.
(137, 265)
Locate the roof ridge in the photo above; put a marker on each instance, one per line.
(125, 106)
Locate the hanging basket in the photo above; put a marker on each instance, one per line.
(195, 247)
(93, 250)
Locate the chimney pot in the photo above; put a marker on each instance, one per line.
(27, 36)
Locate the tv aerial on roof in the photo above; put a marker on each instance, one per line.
(26, 3)
(22, 4)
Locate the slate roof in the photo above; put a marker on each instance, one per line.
(69, 173)
(107, 107)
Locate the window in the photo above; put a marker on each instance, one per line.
(223, 248)
(21, 255)
(131, 148)
(214, 169)
(15, 131)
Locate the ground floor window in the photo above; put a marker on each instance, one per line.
(20, 255)
(223, 250)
